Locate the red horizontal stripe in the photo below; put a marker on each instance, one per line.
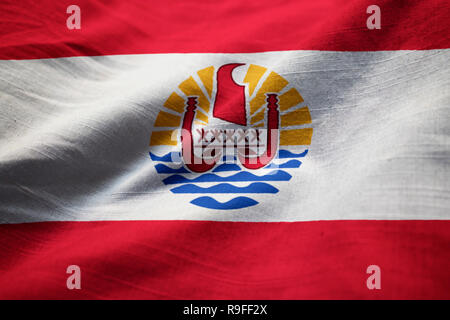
(226, 260)
(37, 29)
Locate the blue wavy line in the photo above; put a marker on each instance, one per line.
(168, 157)
(283, 154)
(162, 168)
(256, 187)
(287, 165)
(228, 158)
(236, 203)
(227, 167)
(276, 175)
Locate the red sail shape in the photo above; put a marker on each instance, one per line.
(193, 162)
(271, 141)
(230, 97)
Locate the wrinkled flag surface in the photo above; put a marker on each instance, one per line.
(94, 164)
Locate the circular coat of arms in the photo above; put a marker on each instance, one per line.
(229, 134)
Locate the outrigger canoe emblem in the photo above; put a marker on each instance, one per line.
(230, 106)
(228, 137)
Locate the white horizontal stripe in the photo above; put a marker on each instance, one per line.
(74, 136)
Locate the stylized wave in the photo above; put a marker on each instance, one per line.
(162, 168)
(227, 167)
(287, 165)
(228, 158)
(276, 175)
(169, 157)
(283, 154)
(256, 187)
(236, 203)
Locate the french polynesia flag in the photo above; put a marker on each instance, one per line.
(369, 107)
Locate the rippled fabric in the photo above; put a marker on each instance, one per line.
(78, 185)
(75, 134)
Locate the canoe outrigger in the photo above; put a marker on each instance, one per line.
(230, 106)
